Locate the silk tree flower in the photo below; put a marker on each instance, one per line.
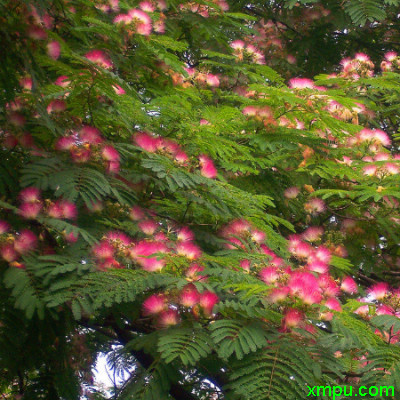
(315, 206)
(56, 106)
(8, 253)
(292, 318)
(54, 49)
(168, 318)
(155, 304)
(379, 291)
(189, 250)
(301, 83)
(207, 302)
(100, 58)
(189, 296)
(141, 252)
(25, 242)
(4, 227)
(349, 285)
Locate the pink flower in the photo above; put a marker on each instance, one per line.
(301, 83)
(279, 294)
(292, 192)
(318, 266)
(62, 81)
(154, 304)
(168, 318)
(54, 49)
(189, 296)
(103, 250)
(313, 233)
(384, 310)
(109, 153)
(30, 195)
(212, 80)
(118, 238)
(238, 45)
(333, 304)
(148, 226)
(30, 210)
(146, 142)
(207, 301)
(258, 236)
(269, 275)
(349, 285)
(26, 83)
(100, 58)
(68, 209)
(328, 285)
(245, 264)
(185, 234)
(56, 106)
(54, 210)
(207, 167)
(25, 242)
(91, 135)
(118, 89)
(136, 213)
(391, 56)
(71, 237)
(65, 143)
(292, 318)
(315, 206)
(379, 291)
(370, 170)
(4, 227)
(363, 310)
(189, 250)
(323, 254)
(193, 273)
(8, 253)
(37, 33)
(141, 252)
(147, 6)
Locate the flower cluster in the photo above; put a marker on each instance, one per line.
(14, 245)
(205, 10)
(168, 309)
(297, 287)
(157, 144)
(242, 50)
(391, 62)
(87, 144)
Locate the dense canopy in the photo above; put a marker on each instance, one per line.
(206, 192)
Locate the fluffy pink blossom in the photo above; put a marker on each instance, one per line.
(245, 264)
(71, 237)
(279, 294)
(391, 56)
(379, 291)
(146, 142)
(118, 238)
(189, 296)
(62, 81)
(69, 210)
(292, 318)
(154, 304)
(25, 241)
(54, 49)
(333, 304)
(137, 213)
(301, 83)
(103, 250)
(207, 301)
(313, 233)
(189, 250)
(193, 273)
(8, 253)
(212, 80)
(65, 143)
(328, 286)
(318, 266)
(383, 309)
(315, 206)
(207, 167)
(141, 252)
(185, 234)
(37, 33)
(109, 153)
(56, 106)
(26, 83)
(168, 318)
(148, 226)
(323, 254)
(30, 210)
(30, 195)
(100, 58)
(370, 170)
(91, 135)
(147, 6)
(349, 285)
